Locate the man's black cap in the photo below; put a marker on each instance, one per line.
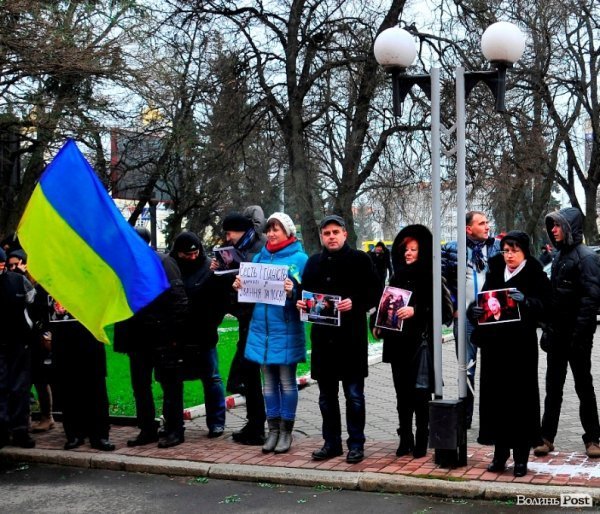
(332, 218)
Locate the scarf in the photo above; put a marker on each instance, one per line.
(477, 254)
(246, 241)
(279, 246)
(508, 273)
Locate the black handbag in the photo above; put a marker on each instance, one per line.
(424, 364)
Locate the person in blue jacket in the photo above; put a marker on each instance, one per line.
(276, 338)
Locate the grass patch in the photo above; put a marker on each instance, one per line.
(120, 395)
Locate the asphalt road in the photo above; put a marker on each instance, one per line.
(54, 489)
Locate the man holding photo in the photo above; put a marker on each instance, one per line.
(339, 353)
(244, 231)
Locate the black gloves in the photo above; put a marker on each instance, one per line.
(474, 312)
(517, 296)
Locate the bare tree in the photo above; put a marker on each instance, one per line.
(54, 57)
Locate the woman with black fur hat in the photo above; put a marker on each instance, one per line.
(509, 404)
(412, 263)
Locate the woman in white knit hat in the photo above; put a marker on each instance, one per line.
(276, 337)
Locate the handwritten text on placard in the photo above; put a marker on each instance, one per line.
(262, 283)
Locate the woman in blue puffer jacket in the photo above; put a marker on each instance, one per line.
(276, 338)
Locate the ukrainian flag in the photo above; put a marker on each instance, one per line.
(82, 251)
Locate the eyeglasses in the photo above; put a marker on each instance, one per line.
(513, 252)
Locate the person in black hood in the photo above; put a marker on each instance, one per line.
(206, 309)
(380, 256)
(407, 350)
(568, 338)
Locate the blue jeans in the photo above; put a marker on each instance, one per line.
(471, 351)
(214, 393)
(280, 391)
(354, 391)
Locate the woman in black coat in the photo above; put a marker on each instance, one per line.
(412, 262)
(509, 406)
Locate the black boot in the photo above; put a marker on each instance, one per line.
(285, 436)
(273, 435)
(407, 442)
(22, 439)
(421, 442)
(143, 438)
(250, 435)
(498, 464)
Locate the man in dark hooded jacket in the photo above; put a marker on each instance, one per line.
(206, 309)
(569, 337)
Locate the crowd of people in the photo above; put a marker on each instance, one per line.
(174, 339)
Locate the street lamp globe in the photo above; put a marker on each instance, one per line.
(395, 48)
(503, 42)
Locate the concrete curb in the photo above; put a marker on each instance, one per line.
(362, 481)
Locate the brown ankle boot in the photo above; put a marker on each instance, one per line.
(43, 425)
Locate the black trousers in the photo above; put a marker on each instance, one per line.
(410, 402)
(579, 358)
(520, 454)
(141, 365)
(354, 392)
(173, 406)
(85, 406)
(15, 384)
(249, 373)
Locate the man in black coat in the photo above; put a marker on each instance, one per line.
(340, 353)
(568, 339)
(244, 231)
(81, 380)
(16, 292)
(382, 261)
(145, 338)
(207, 304)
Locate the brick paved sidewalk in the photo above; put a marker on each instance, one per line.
(558, 468)
(569, 466)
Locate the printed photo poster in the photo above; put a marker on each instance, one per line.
(498, 307)
(229, 259)
(321, 308)
(262, 283)
(392, 299)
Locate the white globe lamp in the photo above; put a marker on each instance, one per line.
(395, 48)
(503, 42)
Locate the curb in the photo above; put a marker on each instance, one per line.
(361, 481)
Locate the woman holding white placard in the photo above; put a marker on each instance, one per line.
(276, 338)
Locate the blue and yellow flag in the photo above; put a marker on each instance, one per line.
(82, 251)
